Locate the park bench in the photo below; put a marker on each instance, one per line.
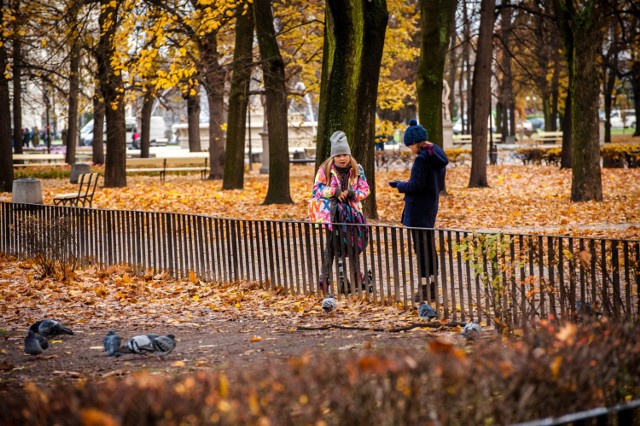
(466, 139)
(547, 137)
(84, 196)
(169, 164)
(38, 160)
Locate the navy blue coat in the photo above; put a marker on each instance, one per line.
(422, 190)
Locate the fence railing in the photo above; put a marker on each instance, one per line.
(507, 278)
(627, 414)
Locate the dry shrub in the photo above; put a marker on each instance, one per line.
(50, 243)
(550, 372)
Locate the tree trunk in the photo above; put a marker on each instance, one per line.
(238, 100)
(74, 92)
(323, 147)
(6, 156)
(276, 95)
(563, 15)
(145, 123)
(193, 120)
(453, 66)
(97, 146)
(506, 86)
(17, 96)
(436, 20)
(586, 184)
(635, 83)
(376, 17)
(113, 93)
(466, 54)
(214, 78)
(481, 94)
(608, 84)
(354, 39)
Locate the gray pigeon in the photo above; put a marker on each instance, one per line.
(329, 304)
(426, 312)
(34, 344)
(472, 331)
(163, 345)
(585, 310)
(111, 343)
(49, 328)
(141, 344)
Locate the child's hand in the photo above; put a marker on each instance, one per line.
(393, 183)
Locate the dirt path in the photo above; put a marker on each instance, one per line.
(218, 343)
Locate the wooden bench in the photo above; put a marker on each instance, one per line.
(84, 196)
(547, 137)
(466, 139)
(170, 164)
(38, 160)
(462, 139)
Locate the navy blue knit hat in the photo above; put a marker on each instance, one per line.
(415, 133)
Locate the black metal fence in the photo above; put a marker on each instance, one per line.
(627, 414)
(482, 277)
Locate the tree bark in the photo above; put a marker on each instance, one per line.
(355, 34)
(145, 122)
(213, 82)
(436, 21)
(17, 96)
(635, 83)
(581, 26)
(6, 156)
(97, 146)
(586, 184)
(276, 96)
(238, 100)
(481, 96)
(74, 87)
(193, 120)
(112, 89)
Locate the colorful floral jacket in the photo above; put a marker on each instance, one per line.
(324, 190)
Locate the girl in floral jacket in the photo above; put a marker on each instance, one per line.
(339, 187)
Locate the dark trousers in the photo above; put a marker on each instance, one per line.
(425, 248)
(336, 249)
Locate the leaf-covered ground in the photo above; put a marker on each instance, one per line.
(525, 199)
(216, 326)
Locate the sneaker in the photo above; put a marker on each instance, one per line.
(425, 296)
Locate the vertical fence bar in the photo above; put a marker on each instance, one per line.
(615, 283)
(627, 281)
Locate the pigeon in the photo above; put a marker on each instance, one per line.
(34, 344)
(139, 344)
(426, 312)
(329, 304)
(163, 345)
(49, 328)
(472, 331)
(585, 310)
(111, 343)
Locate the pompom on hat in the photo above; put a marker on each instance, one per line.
(415, 133)
(339, 145)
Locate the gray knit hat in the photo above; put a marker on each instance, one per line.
(339, 144)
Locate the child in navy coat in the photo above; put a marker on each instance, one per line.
(422, 193)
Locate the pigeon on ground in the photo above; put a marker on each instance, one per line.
(329, 304)
(111, 343)
(472, 331)
(586, 308)
(34, 344)
(426, 312)
(163, 345)
(142, 344)
(49, 328)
